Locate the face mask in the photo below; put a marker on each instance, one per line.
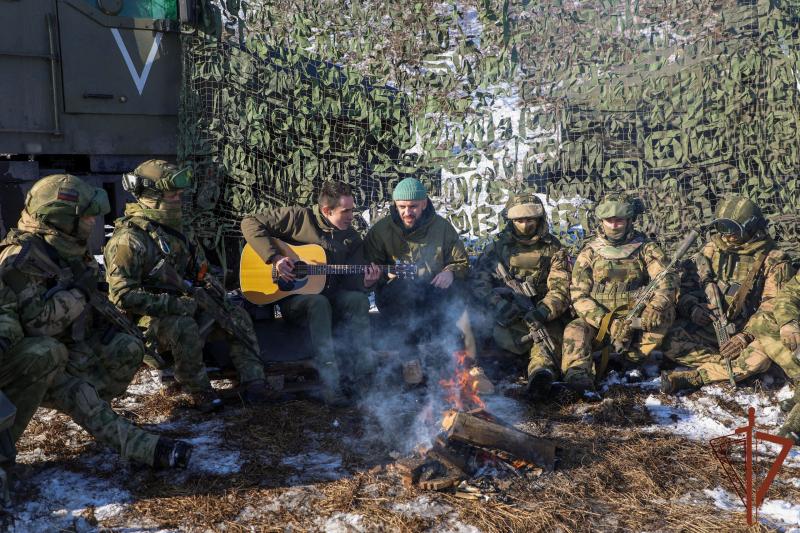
(85, 227)
(615, 234)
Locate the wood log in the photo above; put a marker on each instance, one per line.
(477, 431)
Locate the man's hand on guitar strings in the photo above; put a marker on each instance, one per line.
(371, 274)
(285, 267)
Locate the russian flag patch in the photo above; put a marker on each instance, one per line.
(68, 195)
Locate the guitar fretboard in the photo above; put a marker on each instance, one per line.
(318, 270)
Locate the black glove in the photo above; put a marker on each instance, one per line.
(5, 344)
(86, 282)
(539, 314)
(506, 311)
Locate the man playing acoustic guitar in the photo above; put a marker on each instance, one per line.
(343, 301)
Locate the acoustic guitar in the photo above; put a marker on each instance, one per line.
(261, 284)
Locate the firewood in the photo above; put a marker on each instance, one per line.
(474, 430)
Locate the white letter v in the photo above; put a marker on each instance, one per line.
(138, 80)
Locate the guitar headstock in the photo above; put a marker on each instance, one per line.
(405, 270)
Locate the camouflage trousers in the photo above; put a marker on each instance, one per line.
(508, 338)
(181, 335)
(697, 348)
(768, 344)
(26, 372)
(97, 372)
(346, 313)
(579, 344)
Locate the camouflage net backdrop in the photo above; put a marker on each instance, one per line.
(680, 101)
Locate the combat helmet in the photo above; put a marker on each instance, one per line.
(524, 205)
(60, 200)
(619, 205)
(155, 177)
(738, 216)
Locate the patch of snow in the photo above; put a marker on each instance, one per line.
(343, 523)
(683, 421)
(781, 511)
(315, 466)
(422, 507)
(64, 500)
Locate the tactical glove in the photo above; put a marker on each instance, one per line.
(701, 314)
(790, 335)
(182, 305)
(5, 344)
(620, 330)
(86, 282)
(653, 317)
(506, 311)
(538, 314)
(735, 345)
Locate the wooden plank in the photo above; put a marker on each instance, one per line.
(477, 431)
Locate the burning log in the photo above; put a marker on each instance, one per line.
(480, 431)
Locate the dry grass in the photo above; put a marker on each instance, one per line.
(613, 476)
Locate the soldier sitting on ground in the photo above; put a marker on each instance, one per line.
(343, 303)
(742, 269)
(523, 276)
(51, 236)
(150, 238)
(608, 272)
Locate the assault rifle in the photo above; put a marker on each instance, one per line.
(523, 297)
(723, 328)
(34, 256)
(210, 297)
(633, 317)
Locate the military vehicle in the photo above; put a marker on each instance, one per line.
(90, 87)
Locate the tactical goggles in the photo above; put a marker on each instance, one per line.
(180, 179)
(727, 226)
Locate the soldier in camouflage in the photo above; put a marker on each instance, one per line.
(534, 257)
(152, 230)
(776, 333)
(607, 273)
(745, 264)
(55, 315)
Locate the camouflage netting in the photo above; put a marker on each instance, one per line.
(680, 101)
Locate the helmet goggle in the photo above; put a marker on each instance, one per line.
(180, 179)
(728, 227)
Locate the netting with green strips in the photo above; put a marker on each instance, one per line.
(680, 102)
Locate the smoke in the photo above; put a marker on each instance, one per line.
(402, 417)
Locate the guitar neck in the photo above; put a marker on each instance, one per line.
(317, 270)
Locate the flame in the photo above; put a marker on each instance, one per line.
(462, 389)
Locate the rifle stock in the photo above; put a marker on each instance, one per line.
(722, 327)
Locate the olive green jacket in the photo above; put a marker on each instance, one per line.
(307, 225)
(433, 245)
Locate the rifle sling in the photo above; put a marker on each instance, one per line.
(602, 338)
(737, 305)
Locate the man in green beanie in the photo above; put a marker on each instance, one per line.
(152, 231)
(522, 278)
(414, 233)
(343, 306)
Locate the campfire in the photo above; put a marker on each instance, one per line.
(473, 442)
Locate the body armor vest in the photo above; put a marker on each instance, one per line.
(617, 279)
(175, 250)
(731, 271)
(528, 262)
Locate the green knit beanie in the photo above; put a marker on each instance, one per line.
(409, 189)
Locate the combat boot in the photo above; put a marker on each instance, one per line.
(540, 381)
(255, 392)
(206, 401)
(579, 380)
(788, 404)
(171, 453)
(678, 380)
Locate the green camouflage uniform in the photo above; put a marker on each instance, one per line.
(142, 238)
(28, 365)
(605, 279)
(766, 327)
(727, 265)
(343, 306)
(101, 362)
(539, 261)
